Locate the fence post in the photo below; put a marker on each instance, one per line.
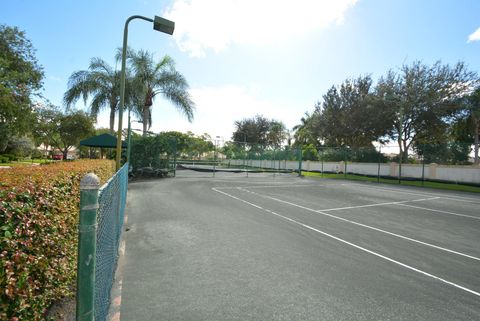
(299, 161)
(423, 166)
(400, 168)
(322, 160)
(175, 157)
(379, 155)
(87, 239)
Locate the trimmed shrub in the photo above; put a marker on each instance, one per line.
(39, 209)
(10, 157)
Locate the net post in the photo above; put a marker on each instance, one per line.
(345, 160)
(299, 153)
(87, 239)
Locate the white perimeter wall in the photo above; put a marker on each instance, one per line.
(454, 173)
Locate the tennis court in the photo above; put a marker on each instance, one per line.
(273, 246)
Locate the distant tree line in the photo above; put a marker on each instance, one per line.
(432, 110)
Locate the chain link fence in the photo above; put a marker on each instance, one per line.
(450, 162)
(110, 217)
(259, 158)
(446, 163)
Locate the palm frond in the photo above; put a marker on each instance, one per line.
(99, 101)
(182, 100)
(98, 64)
(79, 86)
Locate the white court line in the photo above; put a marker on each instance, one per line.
(364, 225)
(443, 196)
(352, 244)
(440, 211)
(376, 204)
(286, 185)
(264, 186)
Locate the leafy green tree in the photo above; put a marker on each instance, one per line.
(63, 131)
(304, 134)
(21, 146)
(309, 152)
(348, 116)
(468, 123)
(20, 80)
(43, 127)
(101, 83)
(154, 79)
(233, 150)
(259, 132)
(277, 133)
(422, 100)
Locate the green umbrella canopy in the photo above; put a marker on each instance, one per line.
(103, 141)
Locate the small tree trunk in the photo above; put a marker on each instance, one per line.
(145, 117)
(405, 152)
(112, 119)
(400, 153)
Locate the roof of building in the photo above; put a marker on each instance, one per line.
(103, 141)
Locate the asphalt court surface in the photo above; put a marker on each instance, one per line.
(279, 247)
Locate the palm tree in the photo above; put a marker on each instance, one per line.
(101, 82)
(303, 132)
(158, 78)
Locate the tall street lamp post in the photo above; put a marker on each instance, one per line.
(159, 24)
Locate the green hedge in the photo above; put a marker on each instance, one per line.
(39, 209)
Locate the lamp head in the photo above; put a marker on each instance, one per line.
(163, 25)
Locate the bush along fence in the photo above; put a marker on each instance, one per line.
(39, 208)
(101, 219)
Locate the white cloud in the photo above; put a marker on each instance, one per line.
(216, 24)
(217, 108)
(475, 36)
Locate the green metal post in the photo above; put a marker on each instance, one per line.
(274, 158)
(129, 138)
(423, 166)
(400, 135)
(345, 160)
(87, 239)
(299, 162)
(244, 156)
(379, 155)
(400, 170)
(159, 26)
(214, 157)
(322, 161)
(175, 157)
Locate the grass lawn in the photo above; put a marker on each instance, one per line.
(26, 162)
(452, 186)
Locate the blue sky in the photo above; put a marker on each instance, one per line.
(270, 57)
